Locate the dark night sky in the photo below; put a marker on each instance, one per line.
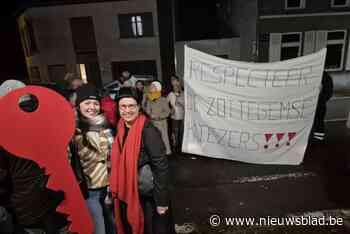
(196, 21)
(12, 58)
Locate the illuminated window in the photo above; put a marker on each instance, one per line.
(135, 25)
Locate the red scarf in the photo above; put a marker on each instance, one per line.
(123, 179)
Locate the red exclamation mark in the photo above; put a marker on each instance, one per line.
(267, 137)
(291, 135)
(279, 138)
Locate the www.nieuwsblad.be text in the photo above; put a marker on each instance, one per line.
(216, 220)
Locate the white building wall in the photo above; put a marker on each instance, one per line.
(54, 39)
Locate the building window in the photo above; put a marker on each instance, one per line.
(57, 73)
(136, 25)
(294, 4)
(290, 45)
(335, 50)
(340, 3)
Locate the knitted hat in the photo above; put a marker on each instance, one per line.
(129, 92)
(85, 92)
(10, 85)
(158, 85)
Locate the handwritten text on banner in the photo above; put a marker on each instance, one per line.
(250, 112)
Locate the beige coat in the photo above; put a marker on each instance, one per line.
(159, 111)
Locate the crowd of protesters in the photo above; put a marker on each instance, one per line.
(126, 189)
(135, 124)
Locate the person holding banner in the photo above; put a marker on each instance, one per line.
(140, 174)
(321, 109)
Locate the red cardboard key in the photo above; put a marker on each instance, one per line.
(43, 136)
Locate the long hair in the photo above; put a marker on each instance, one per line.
(180, 86)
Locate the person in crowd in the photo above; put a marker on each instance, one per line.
(318, 133)
(158, 110)
(176, 99)
(26, 203)
(91, 157)
(72, 83)
(10, 85)
(139, 161)
(127, 79)
(109, 108)
(140, 88)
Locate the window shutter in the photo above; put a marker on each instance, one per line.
(125, 26)
(147, 21)
(32, 43)
(275, 47)
(309, 42)
(83, 34)
(321, 40)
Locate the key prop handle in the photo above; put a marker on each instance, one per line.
(43, 136)
(51, 124)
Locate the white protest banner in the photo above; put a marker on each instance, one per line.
(251, 112)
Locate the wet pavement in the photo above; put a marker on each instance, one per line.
(204, 186)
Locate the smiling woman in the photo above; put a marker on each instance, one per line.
(139, 161)
(91, 157)
(89, 108)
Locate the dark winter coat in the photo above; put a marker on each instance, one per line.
(327, 89)
(153, 152)
(23, 189)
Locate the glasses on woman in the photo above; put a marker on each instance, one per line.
(130, 107)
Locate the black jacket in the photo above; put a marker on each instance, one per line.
(327, 89)
(153, 152)
(23, 190)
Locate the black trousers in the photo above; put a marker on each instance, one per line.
(177, 127)
(154, 223)
(319, 118)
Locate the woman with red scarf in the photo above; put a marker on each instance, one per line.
(138, 144)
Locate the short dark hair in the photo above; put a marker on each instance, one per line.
(140, 81)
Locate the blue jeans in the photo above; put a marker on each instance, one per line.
(102, 214)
